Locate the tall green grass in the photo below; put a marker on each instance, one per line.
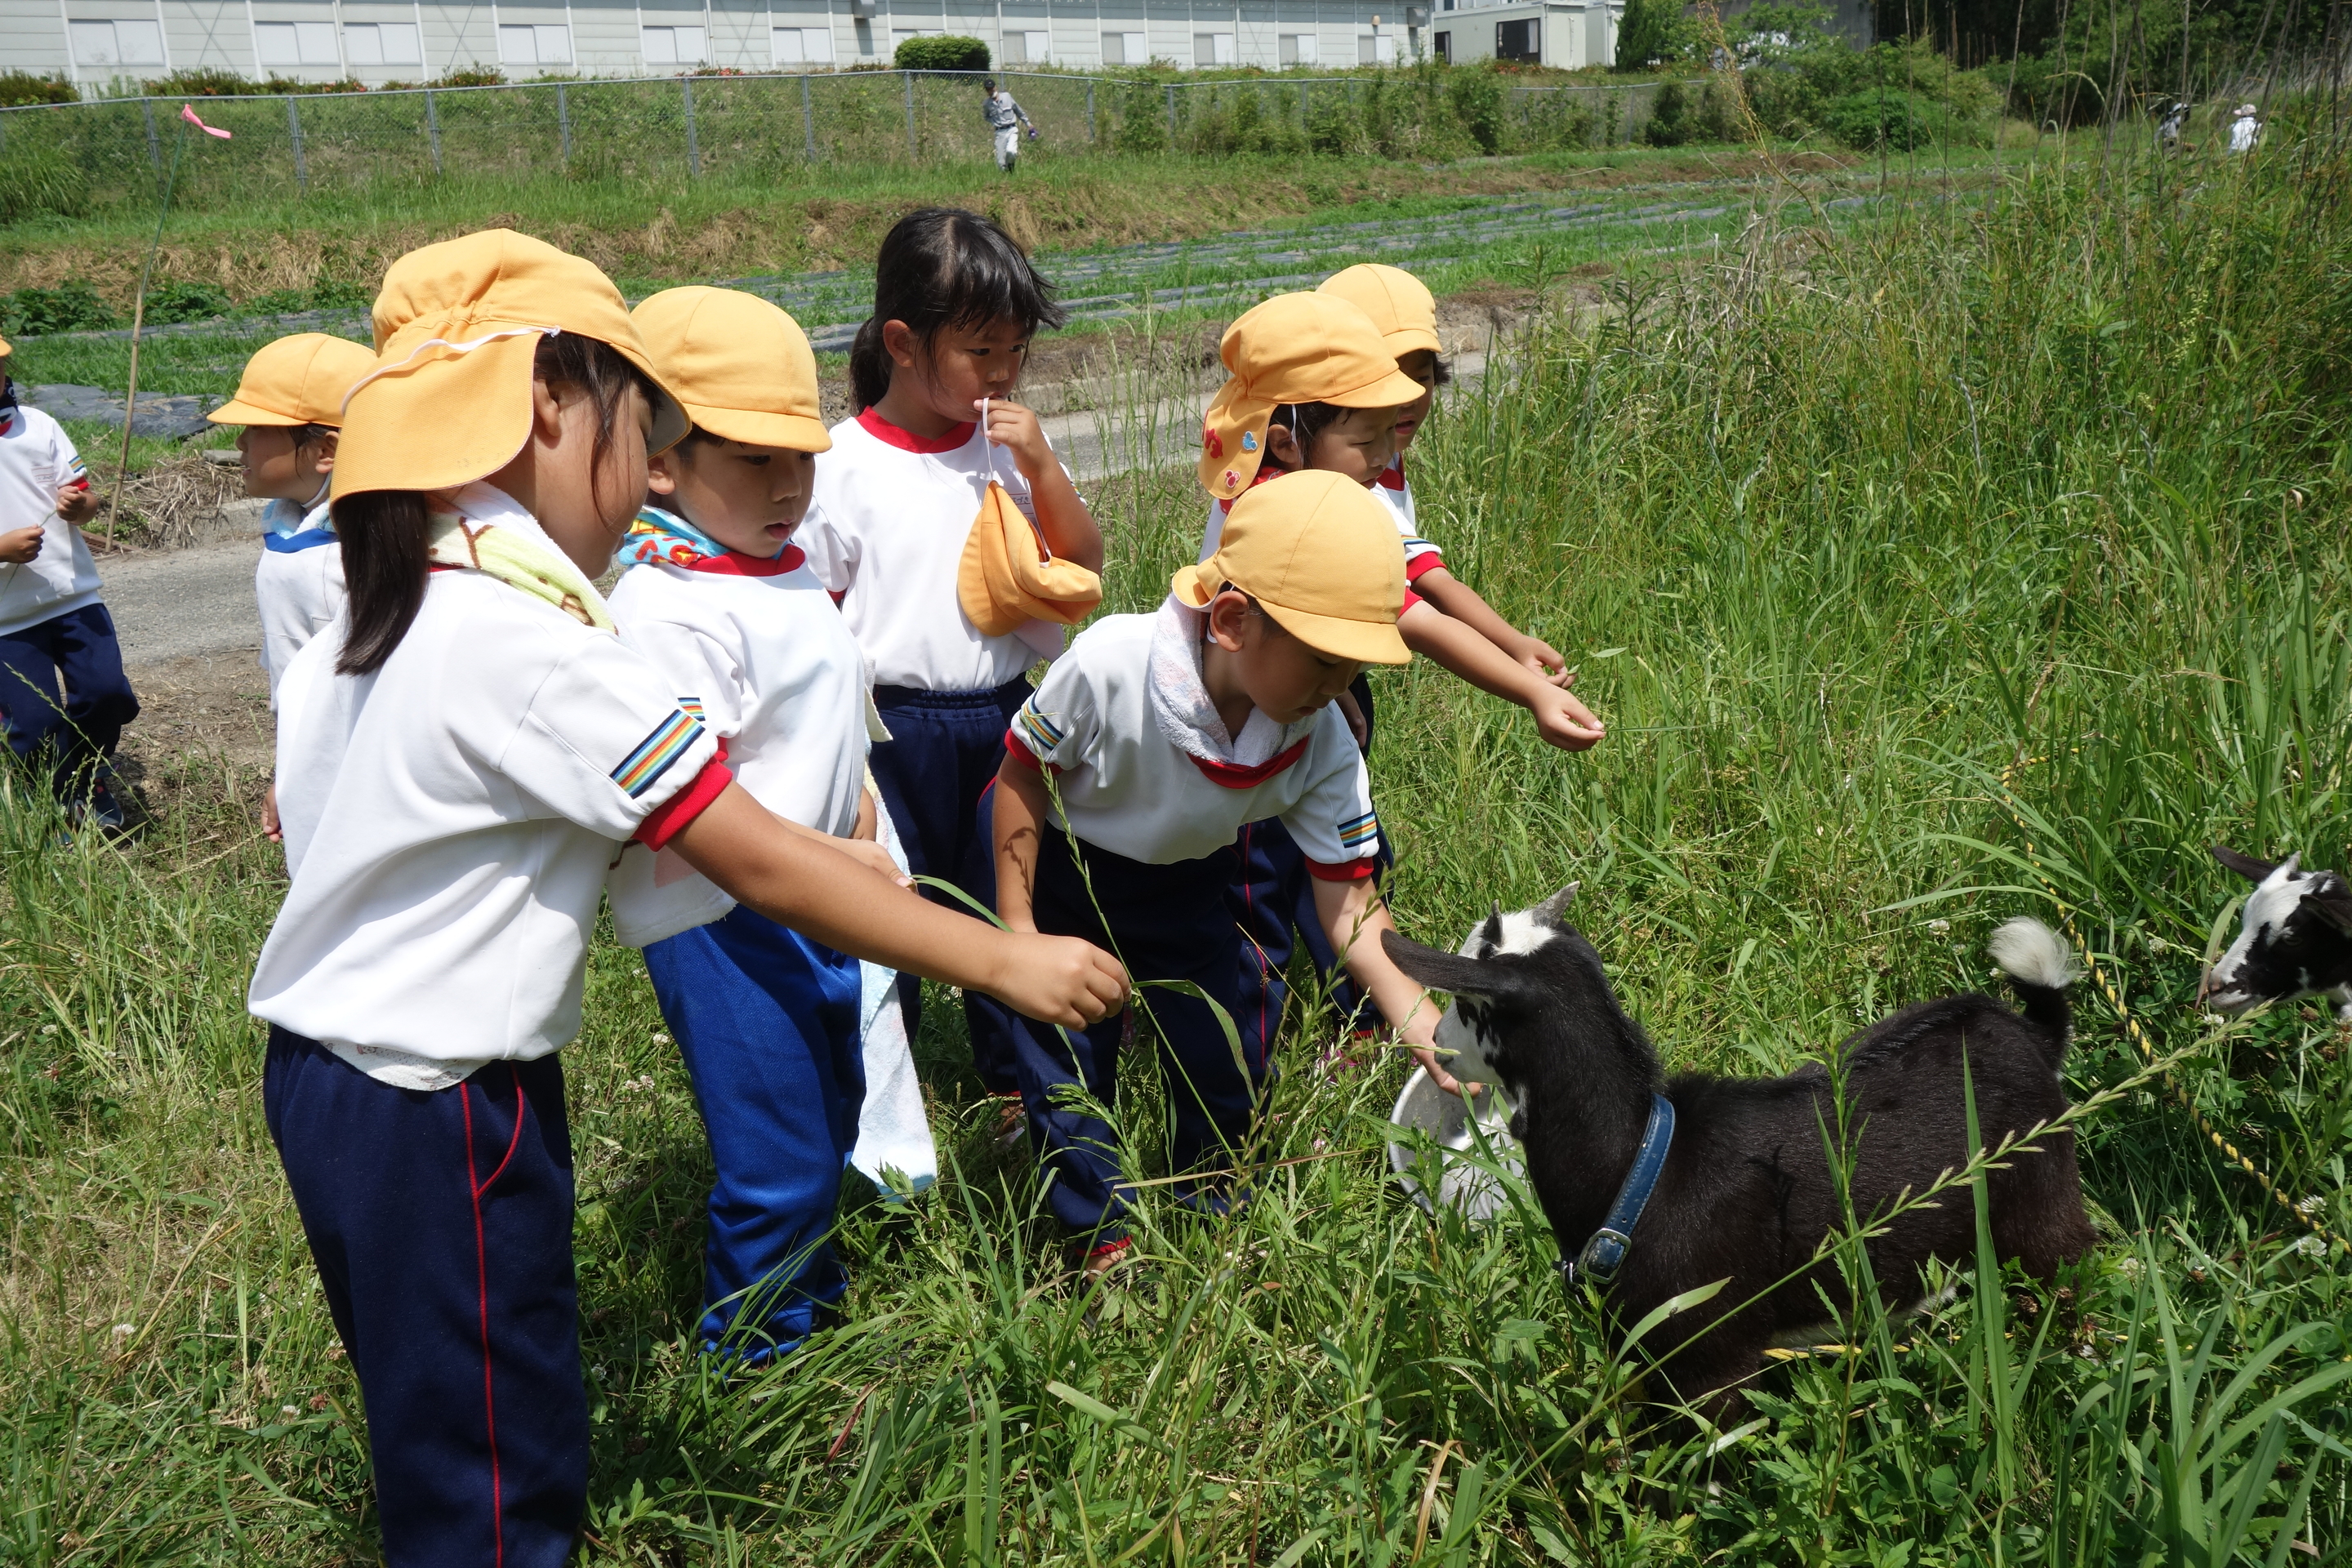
(1880, 552)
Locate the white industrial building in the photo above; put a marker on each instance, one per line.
(109, 45)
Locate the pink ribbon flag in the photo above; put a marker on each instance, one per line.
(188, 113)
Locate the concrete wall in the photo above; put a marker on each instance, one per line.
(119, 42)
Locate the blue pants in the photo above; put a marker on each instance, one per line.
(944, 750)
(79, 732)
(1276, 896)
(441, 1223)
(767, 1021)
(1167, 923)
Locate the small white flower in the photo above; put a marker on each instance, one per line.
(1941, 928)
(123, 1331)
(2310, 1206)
(289, 1410)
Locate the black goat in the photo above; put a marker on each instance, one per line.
(2295, 938)
(1747, 1191)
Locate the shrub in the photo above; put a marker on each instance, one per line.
(19, 86)
(208, 81)
(71, 307)
(1650, 30)
(1331, 124)
(187, 302)
(1876, 117)
(1476, 96)
(471, 76)
(41, 182)
(1143, 119)
(947, 54)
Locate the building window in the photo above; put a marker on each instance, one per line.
(1126, 49)
(117, 44)
(1520, 40)
(1442, 45)
(1027, 48)
(802, 45)
(382, 43)
(1299, 49)
(295, 44)
(1376, 50)
(1213, 49)
(545, 45)
(671, 45)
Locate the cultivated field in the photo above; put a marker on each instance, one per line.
(1987, 558)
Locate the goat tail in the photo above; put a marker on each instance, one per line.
(2038, 964)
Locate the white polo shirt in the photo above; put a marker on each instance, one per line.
(1155, 777)
(36, 460)
(449, 819)
(887, 532)
(756, 648)
(298, 583)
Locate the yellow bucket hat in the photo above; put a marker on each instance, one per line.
(457, 326)
(1293, 348)
(742, 367)
(5, 347)
(299, 380)
(1401, 306)
(1007, 577)
(1320, 556)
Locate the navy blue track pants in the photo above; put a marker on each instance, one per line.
(78, 730)
(441, 1223)
(1167, 923)
(944, 750)
(767, 1021)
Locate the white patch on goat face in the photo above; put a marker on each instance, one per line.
(2274, 900)
(1522, 934)
(1456, 1033)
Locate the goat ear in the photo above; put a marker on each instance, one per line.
(1550, 911)
(2333, 899)
(1447, 972)
(2245, 866)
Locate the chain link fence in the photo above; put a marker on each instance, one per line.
(111, 153)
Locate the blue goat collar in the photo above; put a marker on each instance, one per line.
(1604, 1253)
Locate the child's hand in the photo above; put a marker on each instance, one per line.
(1544, 659)
(19, 546)
(270, 829)
(873, 857)
(1353, 712)
(78, 504)
(1565, 722)
(1017, 430)
(1059, 980)
(1437, 1073)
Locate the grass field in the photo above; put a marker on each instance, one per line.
(1887, 553)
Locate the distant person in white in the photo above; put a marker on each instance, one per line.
(1005, 117)
(2245, 130)
(2167, 129)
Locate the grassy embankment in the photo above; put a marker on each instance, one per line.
(1840, 532)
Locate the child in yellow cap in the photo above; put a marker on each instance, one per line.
(53, 627)
(459, 760)
(1168, 732)
(721, 600)
(1444, 617)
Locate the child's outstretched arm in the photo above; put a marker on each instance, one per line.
(1561, 719)
(1021, 823)
(1068, 526)
(1353, 917)
(804, 883)
(1464, 604)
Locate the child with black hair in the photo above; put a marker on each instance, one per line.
(955, 305)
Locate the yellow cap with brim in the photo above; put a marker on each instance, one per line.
(1293, 348)
(299, 380)
(742, 368)
(5, 347)
(456, 327)
(1401, 306)
(1320, 556)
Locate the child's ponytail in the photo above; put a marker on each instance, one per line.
(941, 267)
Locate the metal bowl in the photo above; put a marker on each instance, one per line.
(1425, 1107)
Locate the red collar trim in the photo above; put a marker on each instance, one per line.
(1393, 477)
(1232, 775)
(890, 434)
(735, 563)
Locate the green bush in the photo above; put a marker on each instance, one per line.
(947, 54)
(187, 302)
(71, 307)
(18, 87)
(1876, 117)
(1685, 113)
(1143, 119)
(1476, 96)
(33, 183)
(1650, 30)
(208, 81)
(1331, 124)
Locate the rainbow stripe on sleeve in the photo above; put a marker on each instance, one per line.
(671, 739)
(1359, 831)
(1039, 733)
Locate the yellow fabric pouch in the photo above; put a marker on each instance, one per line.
(1008, 577)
